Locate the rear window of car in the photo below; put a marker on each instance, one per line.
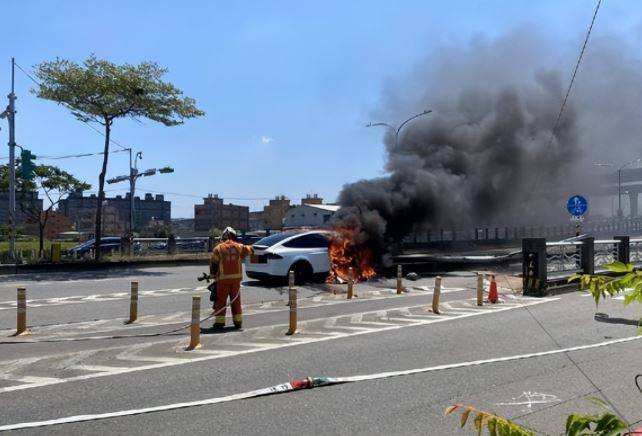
(314, 240)
(269, 241)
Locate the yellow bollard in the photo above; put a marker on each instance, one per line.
(480, 289)
(399, 280)
(350, 283)
(133, 304)
(292, 304)
(435, 295)
(21, 324)
(195, 329)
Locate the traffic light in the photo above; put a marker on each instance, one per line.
(166, 170)
(28, 164)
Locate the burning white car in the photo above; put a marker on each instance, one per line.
(305, 253)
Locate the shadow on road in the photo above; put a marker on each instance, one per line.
(604, 317)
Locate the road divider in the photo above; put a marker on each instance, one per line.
(293, 305)
(350, 283)
(435, 295)
(133, 304)
(195, 328)
(399, 279)
(480, 289)
(21, 313)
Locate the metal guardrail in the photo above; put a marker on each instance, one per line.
(563, 256)
(553, 262)
(636, 250)
(605, 251)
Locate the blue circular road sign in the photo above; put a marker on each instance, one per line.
(577, 205)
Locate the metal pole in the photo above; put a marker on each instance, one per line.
(11, 114)
(131, 195)
(619, 193)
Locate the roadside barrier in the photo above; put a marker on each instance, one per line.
(350, 283)
(195, 328)
(292, 304)
(435, 295)
(133, 304)
(480, 289)
(399, 279)
(21, 318)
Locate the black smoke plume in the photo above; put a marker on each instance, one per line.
(487, 154)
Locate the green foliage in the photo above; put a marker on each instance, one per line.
(100, 91)
(625, 280)
(162, 231)
(496, 425)
(604, 424)
(22, 185)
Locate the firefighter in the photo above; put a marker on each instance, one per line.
(226, 266)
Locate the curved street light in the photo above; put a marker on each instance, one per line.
(619, 181)
(398, 129)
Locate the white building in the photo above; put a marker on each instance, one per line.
(309, 215)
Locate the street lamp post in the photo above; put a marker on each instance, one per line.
(132, 177)
(398, 129)
(619, 181)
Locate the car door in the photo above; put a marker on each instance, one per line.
(314, 248)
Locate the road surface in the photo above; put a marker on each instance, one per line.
(508, 358)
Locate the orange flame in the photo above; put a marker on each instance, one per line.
(346, 252)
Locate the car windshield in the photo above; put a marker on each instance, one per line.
(269, 241)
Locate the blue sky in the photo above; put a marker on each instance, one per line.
(287, 86)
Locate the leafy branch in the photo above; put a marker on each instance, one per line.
(496, 425)
(604, 424)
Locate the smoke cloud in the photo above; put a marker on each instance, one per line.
(487, 154)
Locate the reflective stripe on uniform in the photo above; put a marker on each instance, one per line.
(238, 318)
(219, 319)
(230, 276)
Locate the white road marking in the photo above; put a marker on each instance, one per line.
(304, 337)
(529, 398)
(287, 387)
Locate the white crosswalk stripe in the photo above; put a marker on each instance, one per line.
(170, 352)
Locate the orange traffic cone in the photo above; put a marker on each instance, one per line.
(493, 297)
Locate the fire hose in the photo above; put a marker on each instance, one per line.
(211, 287)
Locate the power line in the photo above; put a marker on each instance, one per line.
(570, 85)
(78, 155)
(200, 196)
(69, 156)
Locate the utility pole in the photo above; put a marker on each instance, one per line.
(10, 113)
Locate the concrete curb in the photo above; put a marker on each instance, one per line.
(96, 266)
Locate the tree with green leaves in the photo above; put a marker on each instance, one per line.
(56, 184)
(99, 91)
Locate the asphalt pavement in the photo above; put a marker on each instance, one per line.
(484, 356)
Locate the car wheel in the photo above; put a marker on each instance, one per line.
(302, 272)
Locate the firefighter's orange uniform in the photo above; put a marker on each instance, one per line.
(228, 256)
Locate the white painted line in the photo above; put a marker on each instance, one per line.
(315, 336)
(35, 380)
(287, 387)
(98, 368)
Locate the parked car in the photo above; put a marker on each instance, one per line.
(108, 244)
(305, 253)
